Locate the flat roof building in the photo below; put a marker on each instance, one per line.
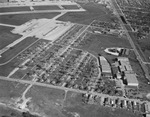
(131, 80)
(105, 66)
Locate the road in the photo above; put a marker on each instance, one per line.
(64, 88)
(8, 25)
(41, 11)
(41, 3)
(126, 28)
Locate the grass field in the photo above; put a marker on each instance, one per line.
(16, 49)
(9, 91)
(46, 101)
(7, 68)
(74, 105)
(8, 94)
(94, 12)
(6, 37)
(8, 112)
(70, 6)
(22, 18)
(46, 7)
(96, 44)
(14, 9)
(145, 46)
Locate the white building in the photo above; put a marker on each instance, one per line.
(105, 67)
(131, 80)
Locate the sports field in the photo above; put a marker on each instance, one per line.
(14, 9)
(46, 7)
(22, 18)
(93, 12)
(6, 37)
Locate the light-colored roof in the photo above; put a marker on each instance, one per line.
(131, 78)
(105, 65)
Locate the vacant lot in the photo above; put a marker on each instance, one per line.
(51, 7)
(22, 18)
(46, 101)
(6, 37)
(14, 9)
(9, 91)
(70, 6)
(74, 105)
(8, 94)
(94, 12)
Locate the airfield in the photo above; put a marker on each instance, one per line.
(49, 60)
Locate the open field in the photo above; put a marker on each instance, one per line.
(8, 112)
(46, 101)
(94, 12)
(96, 43)
(22, 18)
(16, 49)
(6, 69)
(145, 46)
(14, 9)
(46, 7)
(70, 6)
(8, 95)
(74, 105)
(9, 92)
(6, 37)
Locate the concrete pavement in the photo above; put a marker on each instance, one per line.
(41, 11)
(8, 25)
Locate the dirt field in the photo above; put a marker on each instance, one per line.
(6, 37)
(94, 12)
(22, 18)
